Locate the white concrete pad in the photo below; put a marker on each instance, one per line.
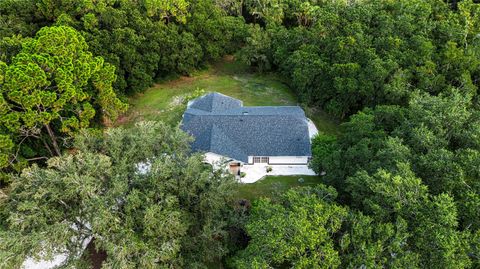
(56, 261)
(256, 172)
(33, 264)
(312, 129)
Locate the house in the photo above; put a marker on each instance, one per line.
(241, 136)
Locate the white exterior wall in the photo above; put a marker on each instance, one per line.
(312, 129)
(219, 160)
(213, 158)
(54, 262)
(288, 160)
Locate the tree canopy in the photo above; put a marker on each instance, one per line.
(295, 232)
(403, 76)
(417, 164)
(343, 57)
(147, 202)
(144, 40)
(52, 88)
(400, 183)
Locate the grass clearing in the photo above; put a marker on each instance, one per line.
(323, 121)
(273, 186)
(228, 77)
(163, 100)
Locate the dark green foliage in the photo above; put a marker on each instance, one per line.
(406, 166)
(416, 164)
(410, 165)
(19, 17)
(407, 160)
(323, 146)
(136, 42)
(51, 89)
(144, 40)
(169, 214)
(295, 232)
(350, 56)
(372, 244)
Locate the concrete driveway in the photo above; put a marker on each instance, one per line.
(256, 172)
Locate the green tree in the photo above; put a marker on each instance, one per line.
(387, 195)
(18, 18)
(147, 202)
(371, 244)
(145, 40)
(167, 9)
(437, 221)
(323, 146)
(430, 219)
(52, 88)
(296, 232)
(343, 58)
(270, 11)
(258, 51)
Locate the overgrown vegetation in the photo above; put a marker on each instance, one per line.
(406, 160)
(400, 181)
(51, 89)
(147, 202)
(416, 165)
(343, 56)
(49, 97)
(144, 40)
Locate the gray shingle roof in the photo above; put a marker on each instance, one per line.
(220, 124)
(215, 102)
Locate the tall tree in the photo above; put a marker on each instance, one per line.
(296, 232)
(372, 244)
(52, 88)
(343, 57)
(147, 202)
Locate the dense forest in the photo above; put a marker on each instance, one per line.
(401, 181)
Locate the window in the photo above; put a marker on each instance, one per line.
(260, 159)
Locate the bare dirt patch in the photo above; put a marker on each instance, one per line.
(229, 58)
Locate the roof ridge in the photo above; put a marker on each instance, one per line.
(247, 116)
(272, 106)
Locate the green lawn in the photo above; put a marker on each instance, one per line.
(229, 77)
(272, 186)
